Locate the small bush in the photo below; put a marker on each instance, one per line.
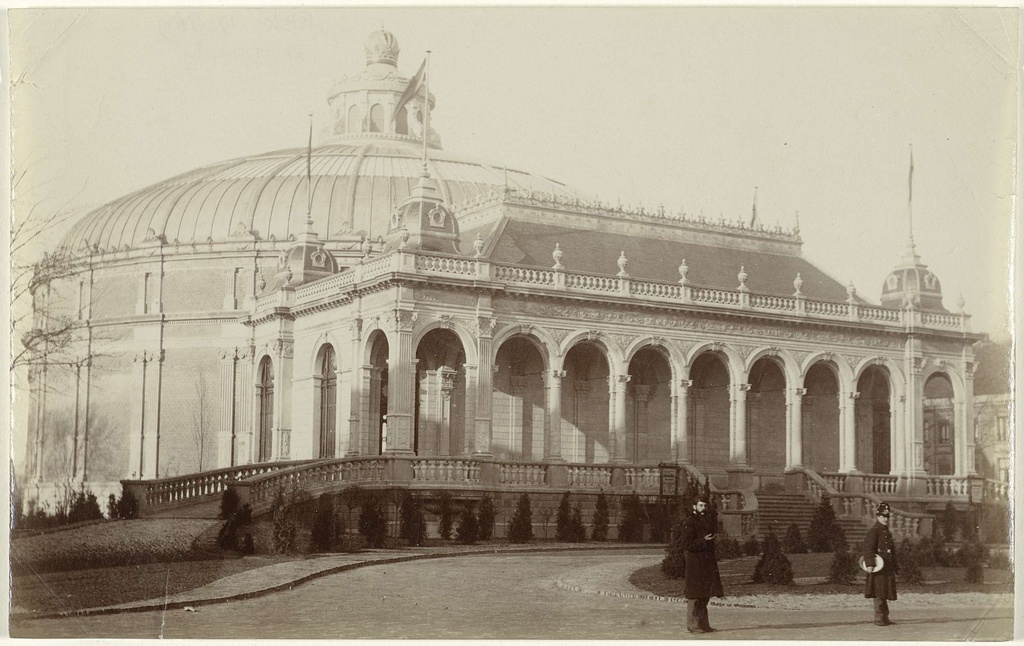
(751, 547)
(674, 564)
(563, 520)
(973, 556)
(412, 525)
(773, 568)
(661, 522)
(285, 514)
(793, 542)
(84, 507)
(229, 503)
(631, 526)
(486, 518)
(373, 524)
(599, 532)
(844, 566)
(577, 532)
(909, 561)
(520, 530)
(468, 530)
(227, 537)
(823, 527)
(325, 524)
(446, 516)
(127, 506)
(949, 521)
(727, 547)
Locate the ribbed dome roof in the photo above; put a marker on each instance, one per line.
(356, 186)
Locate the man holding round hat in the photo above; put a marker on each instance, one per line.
(879, 561)
(702, 580)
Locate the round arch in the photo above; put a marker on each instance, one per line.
(671, 352)
(467, 339)
(733, 361)
(539, 337)
(612, 353)
(782, 357)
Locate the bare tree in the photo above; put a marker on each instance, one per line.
(200, 416)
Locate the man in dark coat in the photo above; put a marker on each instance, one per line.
(701, 580)
(881, 582)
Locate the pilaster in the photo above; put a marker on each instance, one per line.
(794, 421)
(483, 429)
(681, 439)
(401, 381)
(618, 452)
(553, 433)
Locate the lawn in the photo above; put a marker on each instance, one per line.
(89, 588)
(737, 573)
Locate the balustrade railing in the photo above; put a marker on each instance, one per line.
(445, 265)
(774, 303)
(883, 485)
(314, 474)
(591, 283)
(996, 490)
(714, 296)
(656, 290)
(446, 470)
(824, 308)
(936, 319)
(837, 481)
(946, 486)
(643, 478)
(515, 473)
(590, 476)
(524, 275)
(880, 314)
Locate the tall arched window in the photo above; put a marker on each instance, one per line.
(265, 395)
(328, 399)
(376, 118)
(402, 122)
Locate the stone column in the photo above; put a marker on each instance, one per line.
(226, 434)
(282, 432)
(484, 387)
(137, 438)
(446, 384)
(246, 406)
(401, 378)
(341, 437)
(898, 440)
(795, 436)
(619, 416)
(848, 434)
(738, 434)
(471, 376)
(681, 441)
(349, 392)
(553, 433)
(914, 415)
(370, 422)
(965, 421)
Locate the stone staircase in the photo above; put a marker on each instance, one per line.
(777, 511)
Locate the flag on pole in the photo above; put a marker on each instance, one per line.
(412, 89)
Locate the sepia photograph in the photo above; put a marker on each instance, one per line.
(560, 323)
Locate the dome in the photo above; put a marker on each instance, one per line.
(382, 47)
(912, 284)
(356, 186)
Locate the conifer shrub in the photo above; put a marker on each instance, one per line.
(125, 508)
(839, 538)
(631, 525)
(486, 518)
(227, 537)
(674, 564)
(774, 567)
(325, 524)
(84, 506)
(949, 521)
(577, 531)
(661, 522)
(229, 503)
(844, 566)
(563, 520)
(284, 511)
(909, 561)
(793, 542)
(446, 516)
(727, 547)
(750, 546)
(822, 530)
(599, 531)
(520, 530)
(468, 530)
(412, 525)
(373, 524)
(973, 556)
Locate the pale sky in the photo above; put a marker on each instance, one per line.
(689, 108)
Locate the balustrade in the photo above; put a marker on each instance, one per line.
(592, 283)
(442, 470)
(774, 303)
(514, 473)
(445, 265)
(524, 275)
(835, 480)
(824, 308)
(714, 296)
(881, 484)
(946, 486)
(643, 478)
(590, 476)
(656, 290)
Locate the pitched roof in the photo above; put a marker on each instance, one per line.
(592, 251)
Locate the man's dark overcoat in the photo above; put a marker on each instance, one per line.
(702, 580)
(881, 584)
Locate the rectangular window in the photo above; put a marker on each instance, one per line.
(1002, 428)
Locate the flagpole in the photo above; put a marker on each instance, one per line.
(910, 197)
(309, 176)
(426, 110)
